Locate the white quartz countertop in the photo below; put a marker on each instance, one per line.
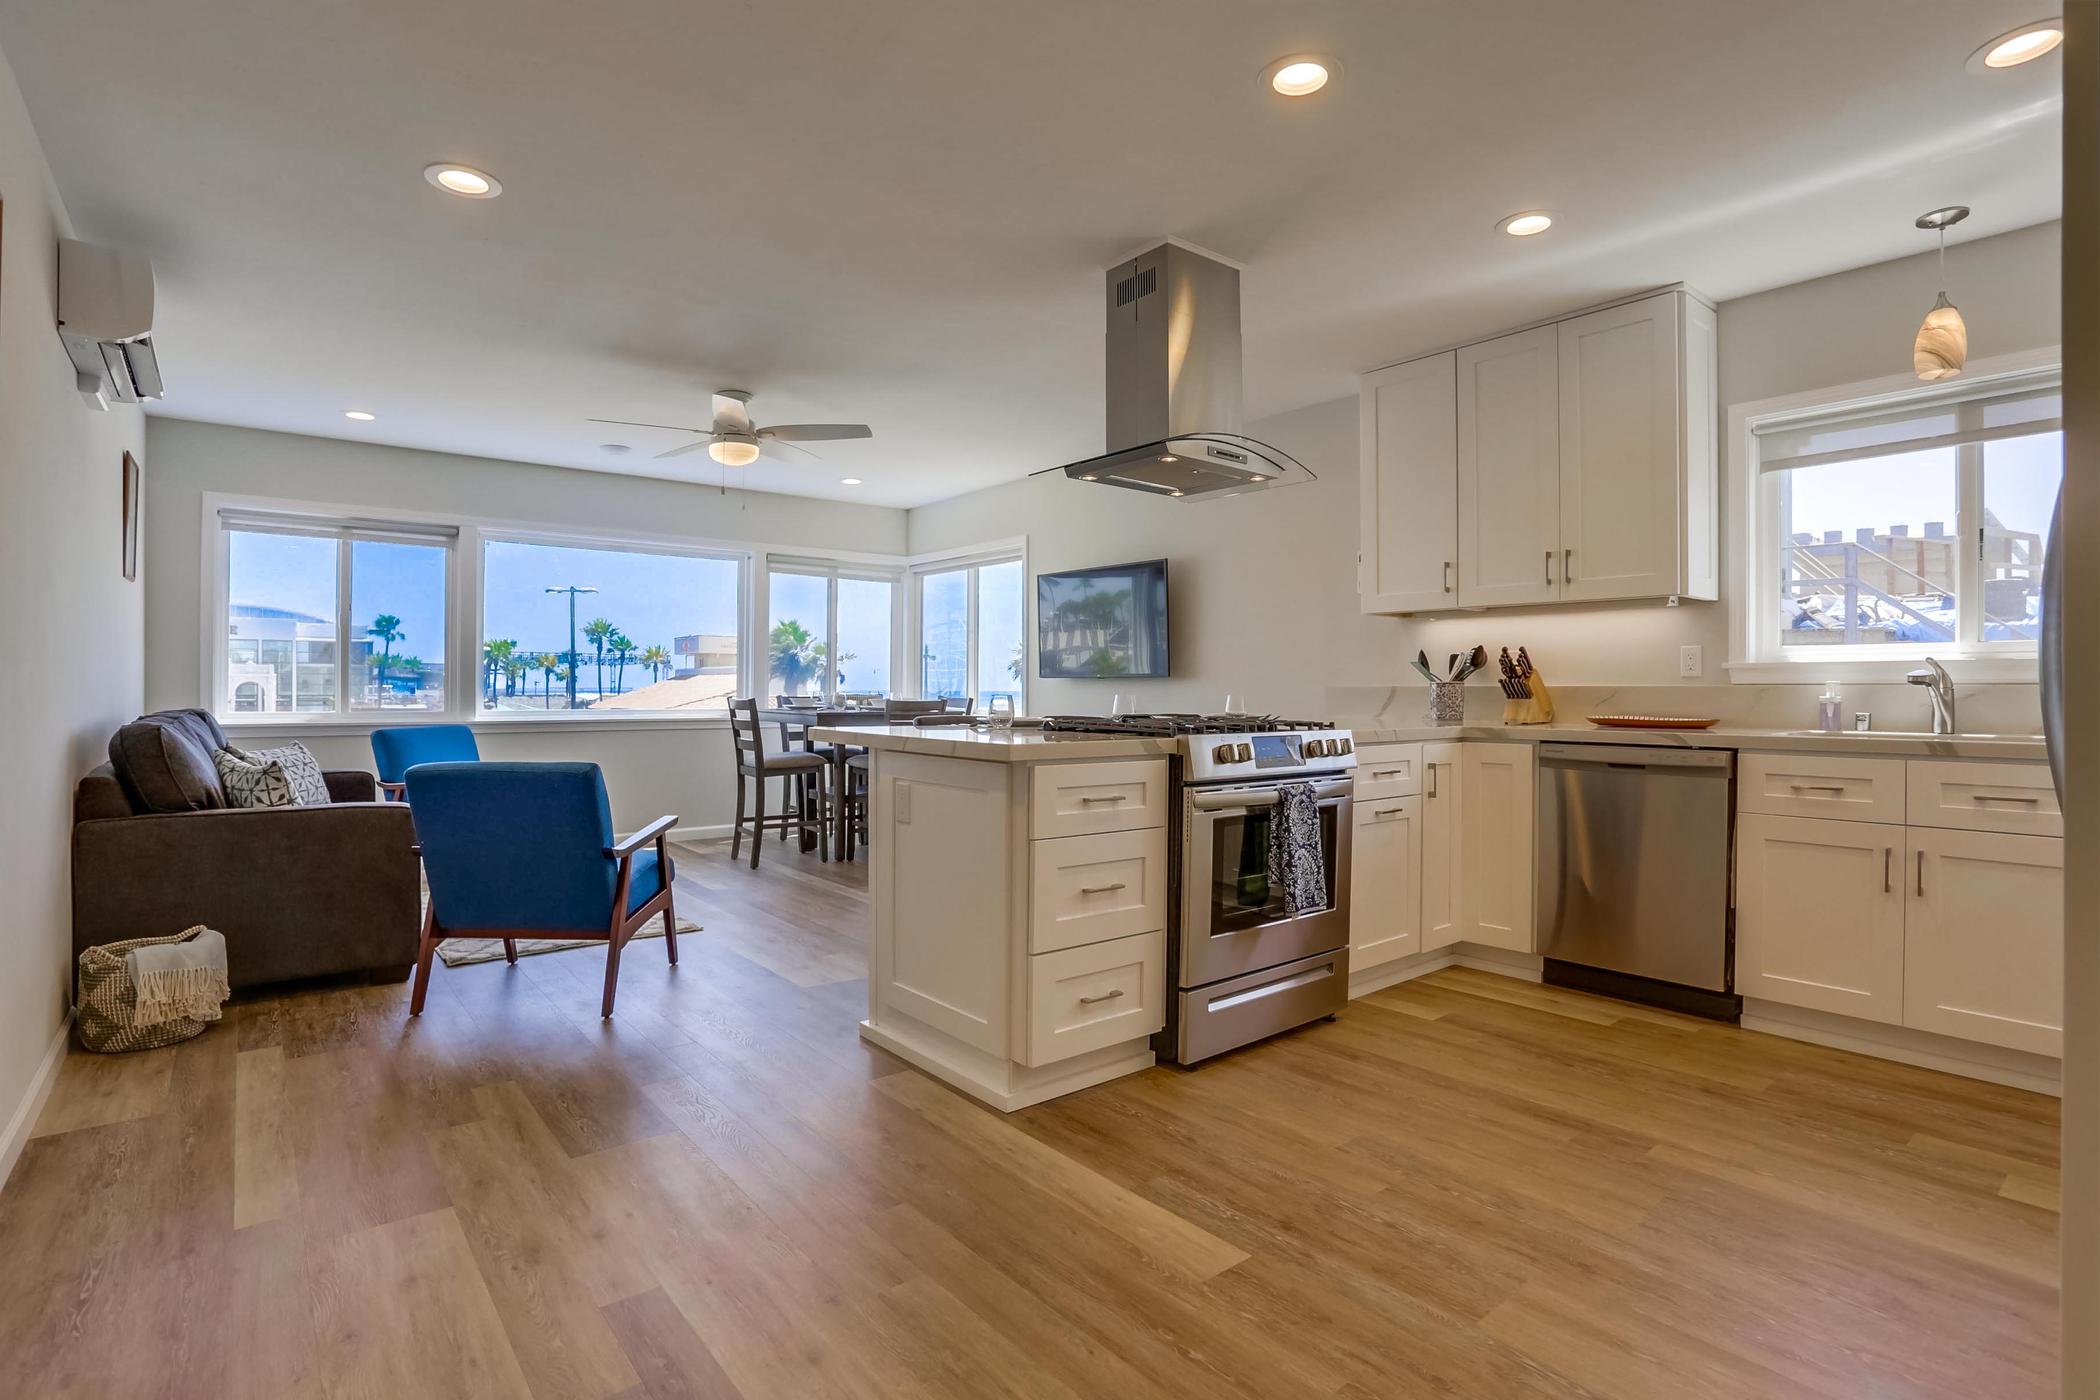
(1889, 744)
(993, 746)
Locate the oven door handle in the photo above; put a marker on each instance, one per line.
(1265, 797)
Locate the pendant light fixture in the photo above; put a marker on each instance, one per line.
(1942, 347)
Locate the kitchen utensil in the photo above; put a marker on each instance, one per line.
(1652, 722)
(1451, 666)
(1421, 664)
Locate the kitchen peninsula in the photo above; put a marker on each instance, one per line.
(1017, 890)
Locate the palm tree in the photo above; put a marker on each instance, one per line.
(597, 632)
(412, 669)
(387, 628)
(657, 660)
(623, 649)
(1013, 667)
(548, 663)
(495, 656)
(798, 657)
(514, 671)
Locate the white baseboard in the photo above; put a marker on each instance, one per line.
(690, 834)
(1525, 967)
(1972, 1060)
(23, 1122)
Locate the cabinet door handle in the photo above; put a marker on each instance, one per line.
(1921, 873)
(1447, 575)
(1090, 801)
(1567, 566)
(1104, 889)
(1888, 856)
(1105, 996)
(1549, 568)
(1431, 770)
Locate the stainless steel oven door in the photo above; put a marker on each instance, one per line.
(1233, 918)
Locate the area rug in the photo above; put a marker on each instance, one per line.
(460, 952)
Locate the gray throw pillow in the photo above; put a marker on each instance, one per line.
(294, 762)
(250, 781)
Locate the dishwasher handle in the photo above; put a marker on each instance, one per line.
(1718, 761)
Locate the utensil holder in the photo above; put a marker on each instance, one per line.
(1447, 702)
(1537, 710)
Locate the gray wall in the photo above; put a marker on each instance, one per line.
(651, 767)
(71, 625)
(1264, 585)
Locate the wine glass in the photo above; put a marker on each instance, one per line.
(999, 709)
(1115, 705)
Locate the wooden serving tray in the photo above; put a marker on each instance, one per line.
(1651, 722)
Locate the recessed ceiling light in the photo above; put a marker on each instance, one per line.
(849, 481)
(358, 415)
(615, 448)
(1526, 224)
(1168, 457)
(463, 180)
(2015, 47)
(1301, 74)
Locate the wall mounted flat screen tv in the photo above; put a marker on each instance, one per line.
(1097, 623)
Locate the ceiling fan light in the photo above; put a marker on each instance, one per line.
(1942, 346)
(733, 452)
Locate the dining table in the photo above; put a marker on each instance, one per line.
(802, 718)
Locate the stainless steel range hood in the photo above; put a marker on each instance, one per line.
(1174, 418)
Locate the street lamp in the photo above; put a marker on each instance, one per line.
(572, 590)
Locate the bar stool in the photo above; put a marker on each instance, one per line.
(795, 770)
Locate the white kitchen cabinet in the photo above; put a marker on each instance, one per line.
(1499, 782)
(1819, 918)
(1408, 435)
(1572, 462)
(1509, 470)
(1984, 938)
(1442, 791)
(1385, 882)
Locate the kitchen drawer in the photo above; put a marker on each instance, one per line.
(1089, 889)
(1387, 770)
(1080, 799)
(1821, 785)
(2010, 797)
(1082, 999)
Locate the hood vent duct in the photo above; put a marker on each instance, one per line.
(1174, 417)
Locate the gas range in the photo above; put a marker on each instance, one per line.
(1228, 747)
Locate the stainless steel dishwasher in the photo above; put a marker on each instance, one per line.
(1635, 852)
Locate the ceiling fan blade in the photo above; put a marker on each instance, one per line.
(816, 432)
(630, 423)
(684, 448)
(778, 450)
(731, 411)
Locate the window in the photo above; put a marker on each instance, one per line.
(829, 629)
(570, 626)
(972, 625)
(1906, 527)
(325, 618)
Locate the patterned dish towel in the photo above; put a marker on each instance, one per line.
(177, 981)
(1297, 861)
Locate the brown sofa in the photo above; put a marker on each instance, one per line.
(298, 891)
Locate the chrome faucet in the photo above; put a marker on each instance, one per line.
(1940, 686)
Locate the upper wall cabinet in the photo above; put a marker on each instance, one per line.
(1580, 457)
(1409, 556)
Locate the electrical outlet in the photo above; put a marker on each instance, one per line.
(1691, 662)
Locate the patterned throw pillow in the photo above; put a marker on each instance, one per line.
(286, 777)
(251, 781)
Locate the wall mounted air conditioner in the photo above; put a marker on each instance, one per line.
(105, 318)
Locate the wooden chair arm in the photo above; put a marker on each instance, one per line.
(393, 792)
(654, 832)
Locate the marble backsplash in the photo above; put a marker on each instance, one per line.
(1981, 709)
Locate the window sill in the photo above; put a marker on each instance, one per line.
(1979, 669)
(338, 727)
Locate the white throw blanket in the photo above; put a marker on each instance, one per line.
(175, 980)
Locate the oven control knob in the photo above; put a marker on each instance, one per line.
(1244, 752)
(1348, 745)
(1222, 753)
(1316, 748)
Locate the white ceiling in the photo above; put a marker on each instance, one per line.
(899, 213)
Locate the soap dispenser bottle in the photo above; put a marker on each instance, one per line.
(1829, 707)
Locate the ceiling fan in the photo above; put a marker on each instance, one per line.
(735, 441)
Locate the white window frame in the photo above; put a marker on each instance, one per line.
(973, 557)
(463, 613)
(1754, 512)
(832, 568)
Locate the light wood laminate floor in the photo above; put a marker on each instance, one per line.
(1468, 1186)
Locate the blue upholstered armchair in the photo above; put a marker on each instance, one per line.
(526, 850)
(395, 751)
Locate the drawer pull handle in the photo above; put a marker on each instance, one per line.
(2019, 801)
(1388, 772)
(1818, 787)
(1103, 889)
(1385, 813)
(1090, 801)
(1105, 996)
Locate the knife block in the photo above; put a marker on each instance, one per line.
(1537, 710)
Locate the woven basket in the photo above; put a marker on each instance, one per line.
(108, 1001)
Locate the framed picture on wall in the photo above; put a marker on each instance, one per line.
(131, 517)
